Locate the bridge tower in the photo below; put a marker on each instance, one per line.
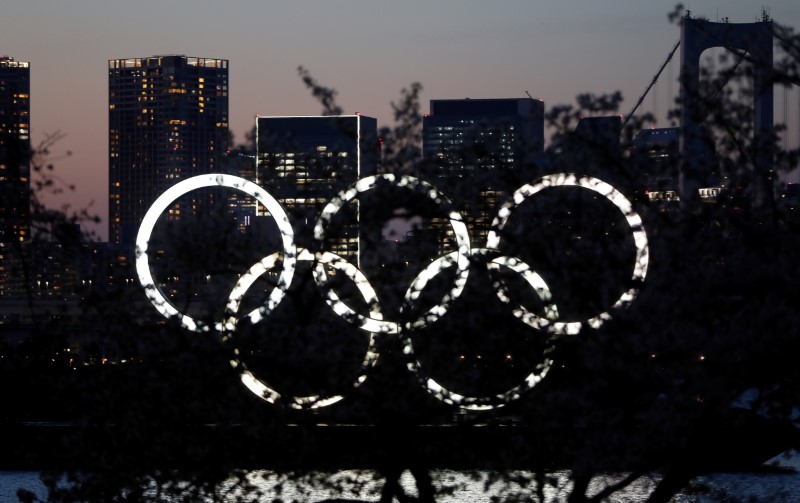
(754, 39)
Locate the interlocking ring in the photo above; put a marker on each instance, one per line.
(462, 253)
(617, 199)
(259, 387)
(431, 385)
(373, 323)
(151, 288)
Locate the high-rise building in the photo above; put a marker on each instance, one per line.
(15, 186)
(167, 120)
(477, 149)
(14, 150)
(305, 161)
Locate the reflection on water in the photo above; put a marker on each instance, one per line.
(772, 487)
(460, 486)
(11, 481)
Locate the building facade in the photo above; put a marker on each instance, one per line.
(477, 150)
(15, 148)
(167, 120)
(15, 186)
(305, 161)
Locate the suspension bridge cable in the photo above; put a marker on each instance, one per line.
(670, 96)
(652, 83)
(655, 103)
(786, 117)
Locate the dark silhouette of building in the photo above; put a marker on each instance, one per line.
(14, 150)
(167, 120)
(478, 148)
(600, 133)
(305, 161)
(15, 186)
(657, 151)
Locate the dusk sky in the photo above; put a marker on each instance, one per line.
(367, 50)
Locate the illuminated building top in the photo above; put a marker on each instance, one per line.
(6, 62)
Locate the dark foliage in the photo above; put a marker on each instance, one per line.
(696, 374)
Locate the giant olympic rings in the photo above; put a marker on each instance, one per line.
(373, 323)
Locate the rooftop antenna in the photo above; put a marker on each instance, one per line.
(529, 95)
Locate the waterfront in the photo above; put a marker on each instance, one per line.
(461, 486)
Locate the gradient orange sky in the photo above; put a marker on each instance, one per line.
(367, 50)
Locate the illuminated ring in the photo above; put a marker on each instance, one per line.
(459, 230)
(154, 292)
(536, 282)
(257, 386)
(483, 402)
(373, 323)
(618, 200)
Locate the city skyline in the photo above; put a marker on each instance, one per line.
(367, 52)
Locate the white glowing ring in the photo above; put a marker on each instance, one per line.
(536, 282)
(260, 388)
(373, 323)
(618, 200)
(462, 253)
(153, 291)
(531, 380)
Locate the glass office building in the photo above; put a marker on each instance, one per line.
(478, 150)
(305, 161)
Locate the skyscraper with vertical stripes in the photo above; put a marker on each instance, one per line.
(15, 147)
(167, 121)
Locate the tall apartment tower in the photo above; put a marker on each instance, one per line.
(15, 183)
(477, 150)
(305, 161)
(167, 120)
